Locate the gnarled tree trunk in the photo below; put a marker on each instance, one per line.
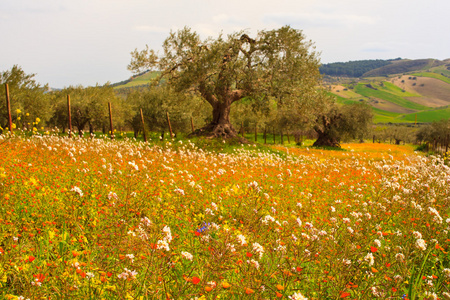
(220, 126)
(326, 132)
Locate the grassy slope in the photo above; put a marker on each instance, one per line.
(392, 93)
(393, 89)
(433, 75)
(139, 80)
(441, 70)
(427, 116)
(379, 115)
(383, 94)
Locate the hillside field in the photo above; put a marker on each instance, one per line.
(400, 98)
(101, 219)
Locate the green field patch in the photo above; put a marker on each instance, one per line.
(383, 116)
(428, 116)
(364, 90)
(441, 70)
(379, 115)
(342, 100)
(347, 93)
(394, 89)
(433, 75)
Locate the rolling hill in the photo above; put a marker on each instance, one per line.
(399, 91)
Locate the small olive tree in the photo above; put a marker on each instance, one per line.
(343, 122)
(433, 132)
(29, 99)
(89, 108)
(155, 102)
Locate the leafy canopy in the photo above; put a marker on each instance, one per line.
(277, 64)
(29, 99)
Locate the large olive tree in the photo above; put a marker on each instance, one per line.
(276, 65)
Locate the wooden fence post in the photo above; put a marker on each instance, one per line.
(8, 107)
(265, 135)
(110, 121)
(439, 145)
(273, 128)
(143, 125)
(69, 115)
(192, 124)
(242, 127)
(170, 126)
(446, 144)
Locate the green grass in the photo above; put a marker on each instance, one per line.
(385, 113)
(432, 75)
(428, 116)
(380, 94)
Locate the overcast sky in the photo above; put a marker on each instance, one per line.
(89, 41)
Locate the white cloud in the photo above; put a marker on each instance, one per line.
(149, 28)
(308, 20)
(225, 19)
(376, 47)
(88, 41)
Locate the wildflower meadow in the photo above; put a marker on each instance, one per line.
(100, 219)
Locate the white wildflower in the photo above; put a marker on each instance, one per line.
(258, 249)
(187, 255)
(421, 244)
(77, 190)
(297, 296)
(369, 258)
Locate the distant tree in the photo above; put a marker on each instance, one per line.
(435, 131)
(352, 68)
(277, 65)
(343, 122)
(29, 99)
(155, 102)
(89, 108)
